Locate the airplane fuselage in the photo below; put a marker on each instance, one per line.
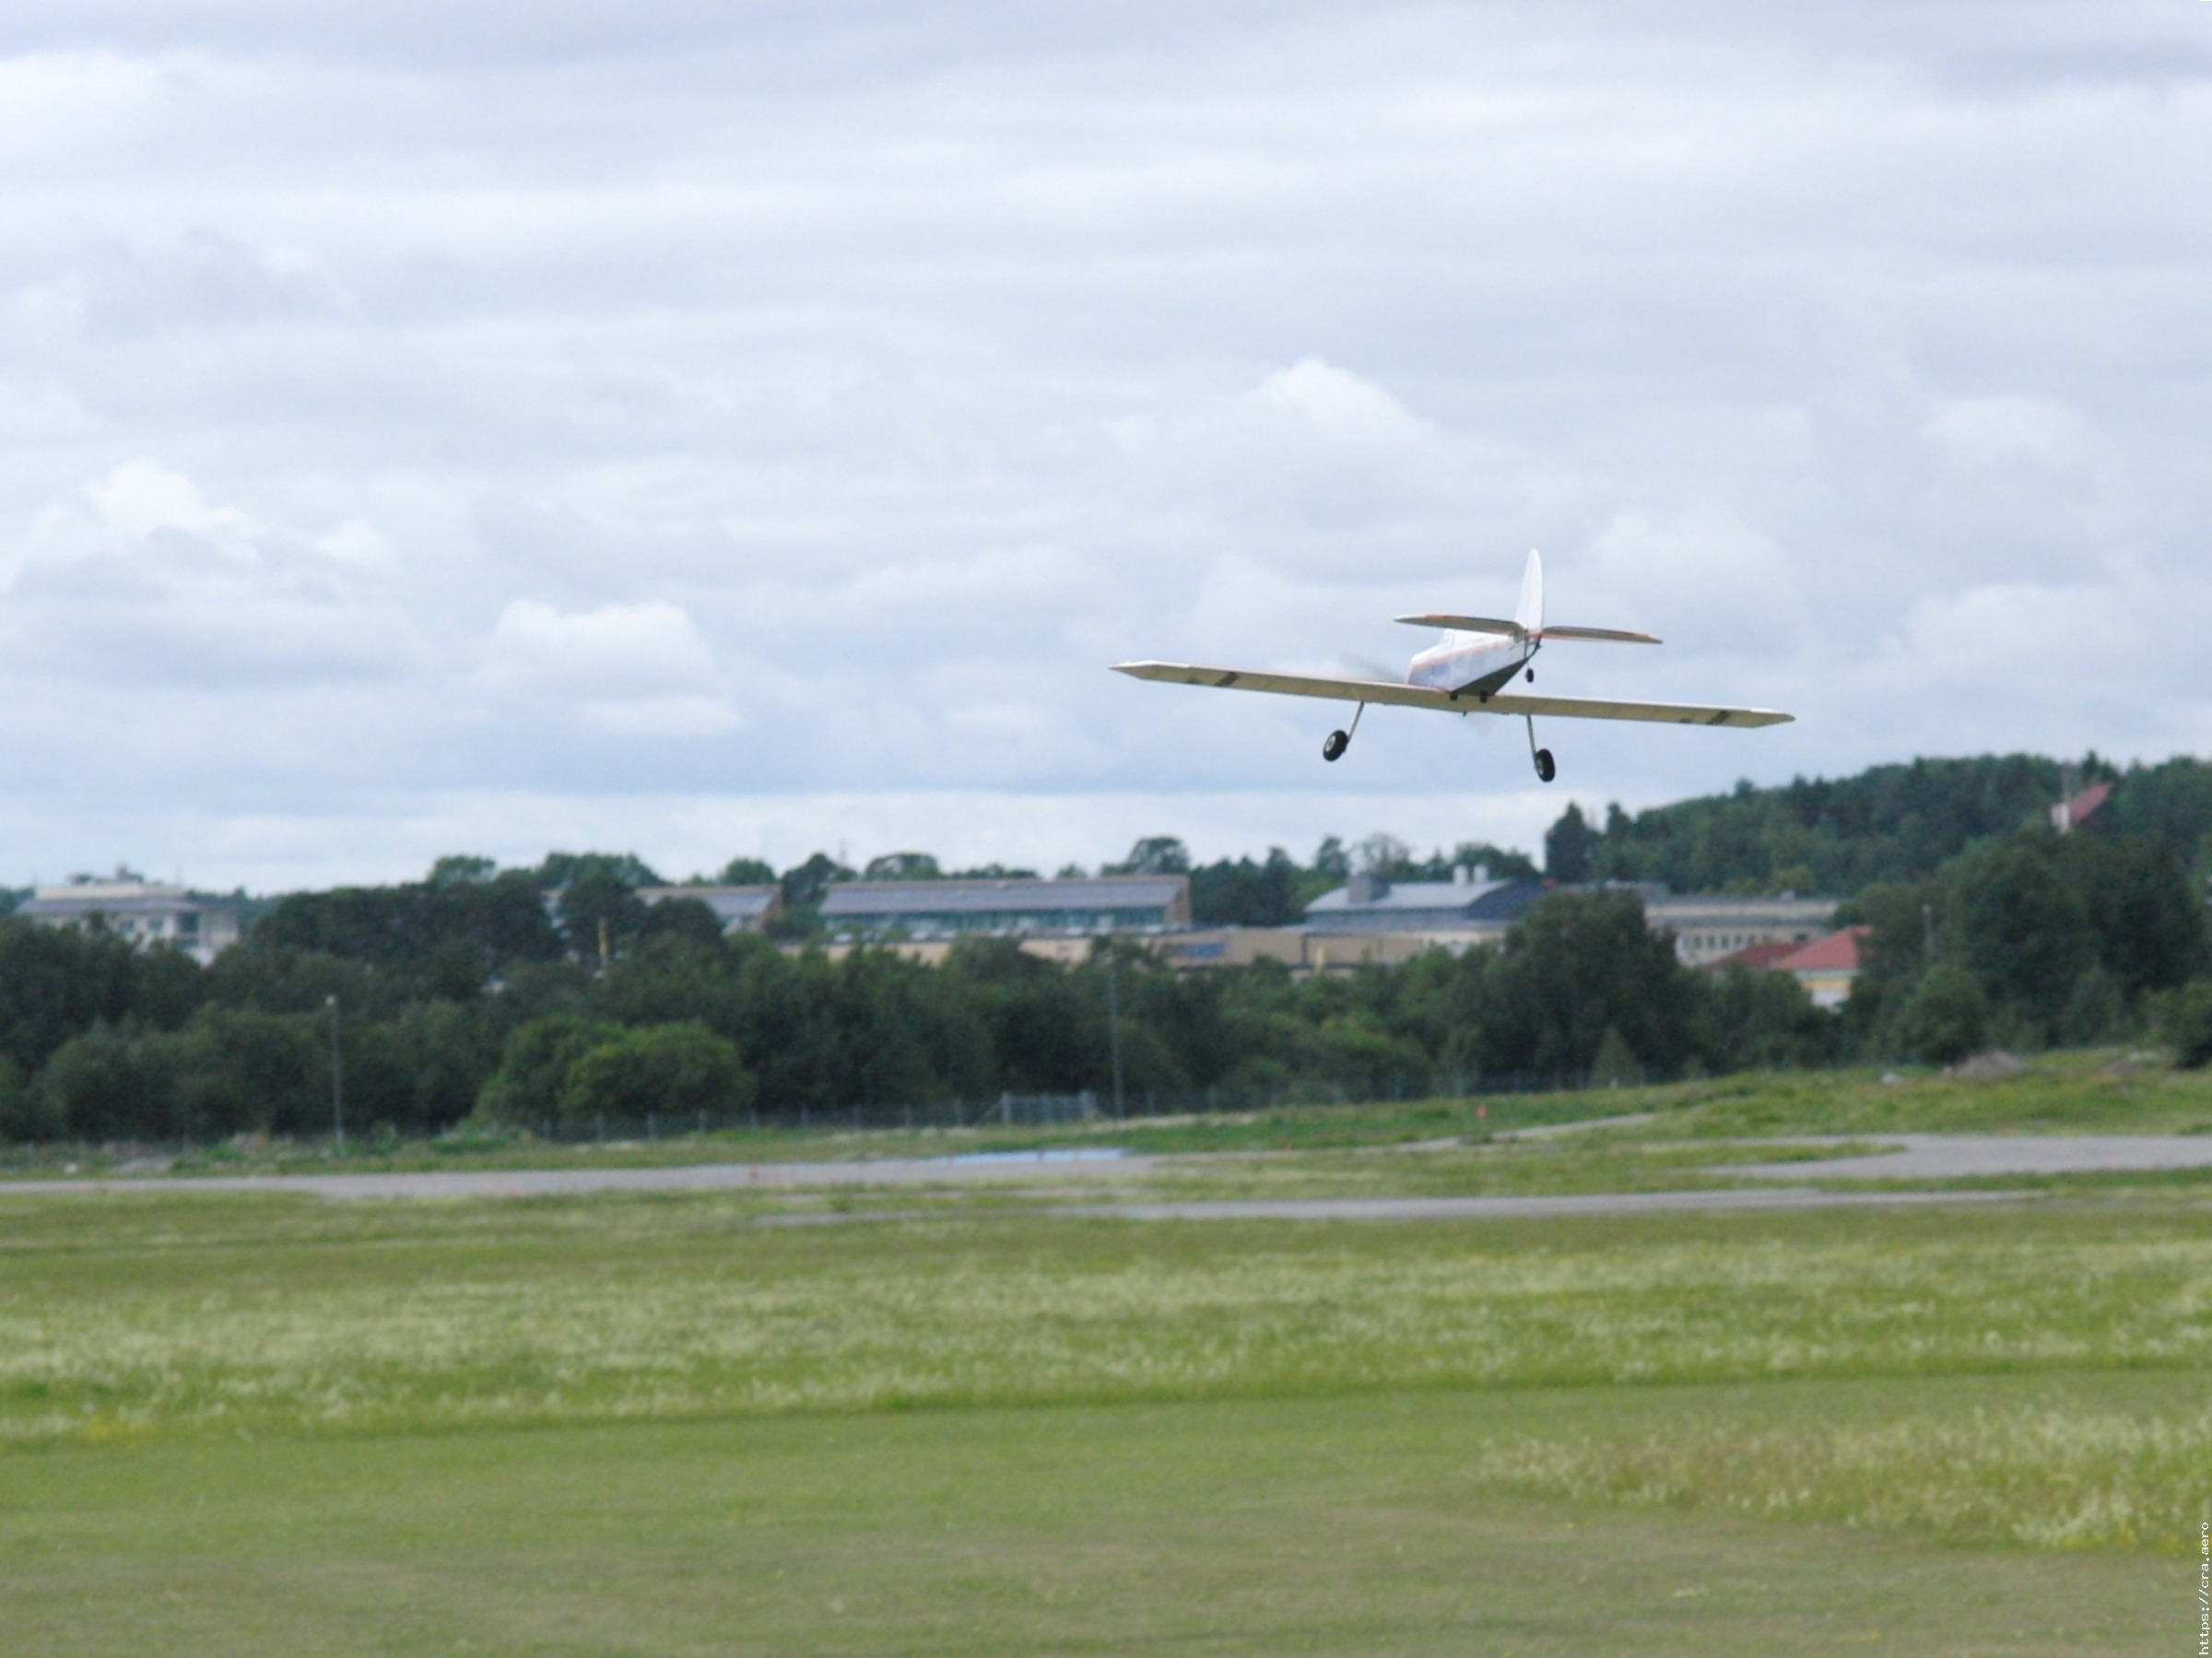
(1473, 665)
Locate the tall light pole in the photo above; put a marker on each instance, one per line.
(1113, 1029)
(337, 1078)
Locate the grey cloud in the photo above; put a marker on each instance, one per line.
(923, 363)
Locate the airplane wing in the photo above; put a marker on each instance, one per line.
(1621, 636)
(1392, 691)
(1398, 695)
(1464, 624)
(1490, 624)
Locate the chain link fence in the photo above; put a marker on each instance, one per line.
(1004, 1111)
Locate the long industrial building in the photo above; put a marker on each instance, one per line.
(854, 912)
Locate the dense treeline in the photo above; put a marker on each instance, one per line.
(1888, 824)
(2029, 939)
(103, 1042)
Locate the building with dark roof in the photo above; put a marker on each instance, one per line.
(1012, 907)
(740, 908)
(1708, 927)
(1470, 902)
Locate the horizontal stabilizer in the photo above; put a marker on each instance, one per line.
(1465, 624)
(1394, 694)
(1617, 635)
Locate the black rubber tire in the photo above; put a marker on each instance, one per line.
(1335, 743)
(1546, 769)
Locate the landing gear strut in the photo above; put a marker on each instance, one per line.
(1546, 769)
(1336, 742)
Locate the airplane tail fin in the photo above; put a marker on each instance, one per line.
(1529, 612)
(1528, 617)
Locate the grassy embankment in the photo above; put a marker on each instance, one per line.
(2101, 1091)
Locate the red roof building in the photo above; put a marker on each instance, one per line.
(1768, 953)
(1827, 966)
(2071, 812)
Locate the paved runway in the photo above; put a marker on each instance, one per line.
(691, 1177)
(1507, 1208)
(1959, 1156)
(1916, 1156)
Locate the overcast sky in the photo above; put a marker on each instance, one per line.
(711, 429)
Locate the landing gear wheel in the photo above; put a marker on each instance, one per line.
(1335, 743)
(1545, 770)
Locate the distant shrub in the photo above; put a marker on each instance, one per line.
(674, 1068)
(1616, 1065)
(113, 1082)
(239, 1070)
(1946, 1018)
(532, 1077)
(25, 1114)
(2189, 1026)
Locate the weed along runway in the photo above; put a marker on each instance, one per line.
(1138, 1387)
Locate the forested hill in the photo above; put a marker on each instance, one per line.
(1891, 823)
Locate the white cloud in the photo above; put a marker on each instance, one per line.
(1312, 449)
(360, 543)
(1990, 430)
(663, 716)
(1707, 584)
(139, 499)
(626, 670)
(143, 513)
(615, 649)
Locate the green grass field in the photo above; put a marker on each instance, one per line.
(1350, 1524)
(739, 1422)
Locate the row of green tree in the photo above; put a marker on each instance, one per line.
(100, 1041)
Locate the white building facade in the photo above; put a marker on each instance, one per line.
(149, 914)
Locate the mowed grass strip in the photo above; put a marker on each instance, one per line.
(1351, 1524)
(143, 1319)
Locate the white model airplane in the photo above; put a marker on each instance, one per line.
(1466, 673)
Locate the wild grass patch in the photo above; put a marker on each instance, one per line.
(2073, 1477)
(434, 1316)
